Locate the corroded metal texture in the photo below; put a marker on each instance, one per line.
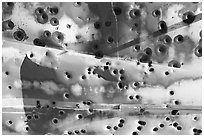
(109, 68)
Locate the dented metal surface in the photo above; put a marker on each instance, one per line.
(105, 68)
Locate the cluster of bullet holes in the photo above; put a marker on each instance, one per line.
(82, 131)
(174, 63)
(20, 35)
(41, 15)
(68, 75)
(116, 127)
(136, 97)
(177, 126)
(197, 131)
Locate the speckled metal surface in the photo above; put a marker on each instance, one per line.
(102, 68)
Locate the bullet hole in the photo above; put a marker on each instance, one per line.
(137, 97)
(108, 63)
(95, 46)
(54, 10)
(156, 13)
(7, 73)
(115, 71)
(167, 118)
(76, 131)
(10, 122)
(99, 54)
(83, 131)
(117, 10)
(131, 97)
(77, 4)
(188, 17)
(148, 51)
(83, 77)
(31, 55)
(19, 35)
(136, 84)
(179, 128)
(108, 23)
(161, 125)
(54, 21)
(120, 85)
(78, 37)
(61, 112)
(179, 39)
(120, 125)
(68, 26)
(134, 133)
(108, 127)
(200, 34)
(166, 73)
(39, 11)
(36, 117)
(42, 18)
(160, 50)
(27, 128)
(58, 36)
(80, 116)
(167, 39)
(7, 25)
(69, 132)
(106, 67)
(122, 78)
(46, 34)
(8, 6)
(29, 117)
(151, 69)
(143, 123)
(97, 25)
(174, 112)
(39, 42)
(9, 87)
(139, 128)
(122, 71)
(137, 47)
(195, 118)
(162, 27)
(66, 95)
(198, 51)
(115, 128)
(150, 63)
(143, 58)
(171, 92)
(174, 63)
(135, 13)
(155, 129)
(110, 40)
(53, 102)
(176, 102)
(122, 121)
(55, 120)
